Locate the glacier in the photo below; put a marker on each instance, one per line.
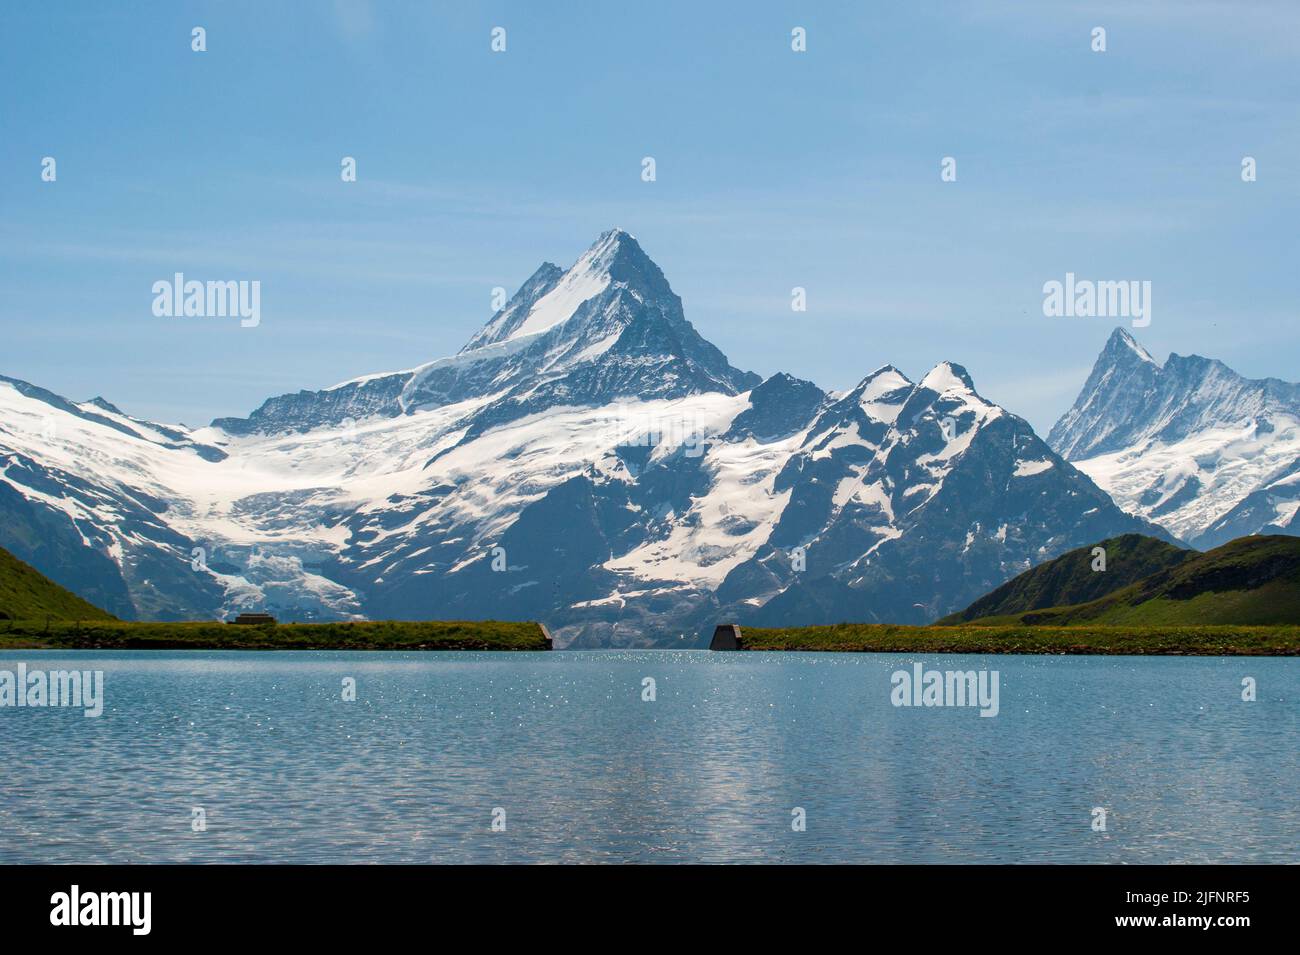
(588, 459)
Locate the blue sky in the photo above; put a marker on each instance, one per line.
(775, 169)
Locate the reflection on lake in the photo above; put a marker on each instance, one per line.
(586, 771)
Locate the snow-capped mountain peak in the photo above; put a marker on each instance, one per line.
(609, 326)
(947, 377)
(885, 380)
(1120, 339)
(552, 296)
(1188, 444)
(928, 476)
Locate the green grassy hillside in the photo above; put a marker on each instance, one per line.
(1070, 579)
(1015, 638)
(27, 594)
(1252, 581)
(363, 635)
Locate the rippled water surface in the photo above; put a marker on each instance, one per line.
(585, 770)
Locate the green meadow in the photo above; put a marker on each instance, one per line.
(367, 635)
(1170, 640)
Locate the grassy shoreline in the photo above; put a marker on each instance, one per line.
(502, 635)
(365, 635)
(1154, 641)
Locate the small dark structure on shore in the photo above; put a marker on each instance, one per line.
(725, 637)
(254, 618)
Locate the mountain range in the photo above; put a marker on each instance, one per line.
(589, 460)
(1190, 444)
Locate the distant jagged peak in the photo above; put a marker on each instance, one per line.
(608, 247)
(552, 296)
(948, 376)
(1130, 398)
(1123, 346)
(883, 381)
(104, 405)
(608, 326)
